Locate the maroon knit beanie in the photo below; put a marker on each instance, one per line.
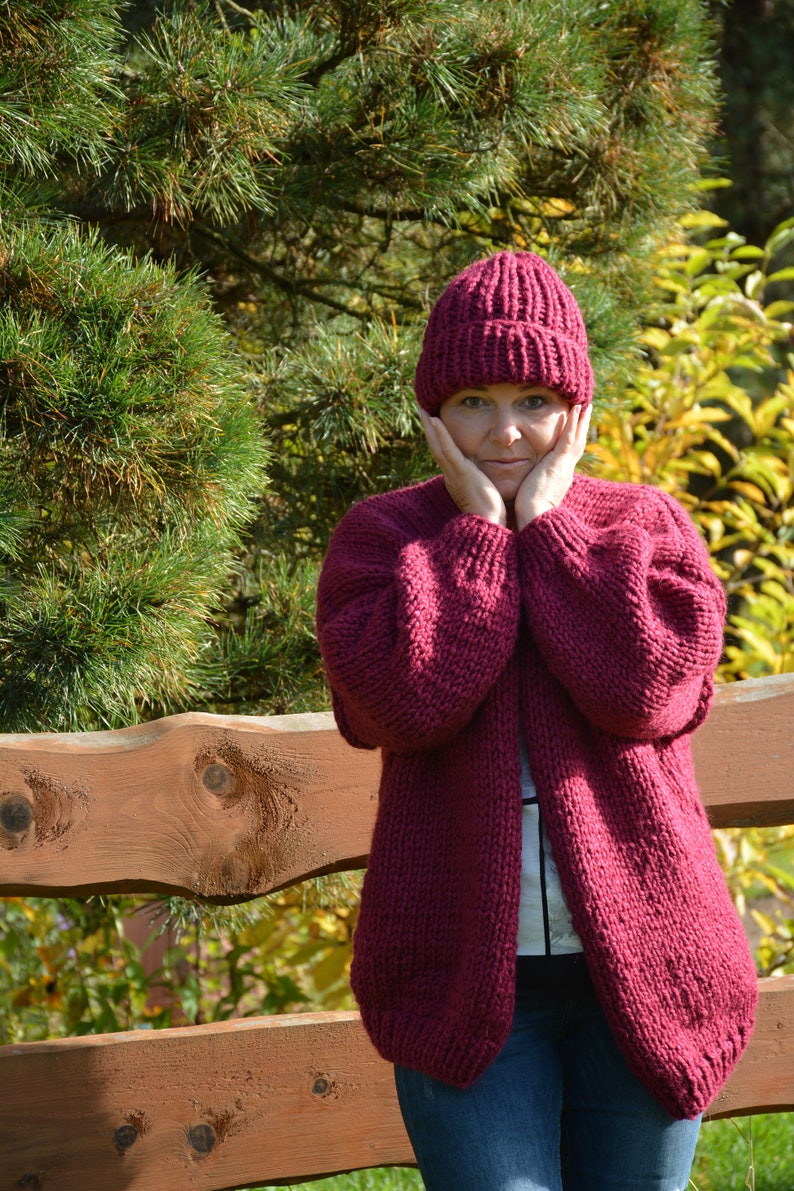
(506, 318)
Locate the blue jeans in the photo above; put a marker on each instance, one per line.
(557, 1109)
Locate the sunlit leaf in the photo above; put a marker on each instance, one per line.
(700, 220)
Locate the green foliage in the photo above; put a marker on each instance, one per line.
(57, 60)
(408, 108)
(710, 418)
(118, 387)
(73, 968)
(129, 456)
(343, 423)
(205, 118)
(753, 1153)
(382, 1178)
(327, 167)
(266, 644)
(759, 868)
(66, 968)
(291, 952)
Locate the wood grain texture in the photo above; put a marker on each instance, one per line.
(234, 1104)
(254, 1101)
(744, 754)
(214, 807)
(226, 808)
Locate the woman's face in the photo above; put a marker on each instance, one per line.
(504, 429)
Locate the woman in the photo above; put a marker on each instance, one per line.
(546, 949)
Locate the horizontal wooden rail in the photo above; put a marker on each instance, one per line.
(744, 754)
(262, 1100)
(236, 1104)
(227, 808)
(223, 808)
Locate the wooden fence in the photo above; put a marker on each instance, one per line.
(226, 809)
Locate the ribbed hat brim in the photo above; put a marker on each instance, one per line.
(497, 351)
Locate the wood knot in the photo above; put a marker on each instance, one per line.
(256, 794)
(125, 1136)
(29, 1182)
(56, 807)
(218, 779)
(16, 816)
(235, 874)
(202, 1138)
(324, 1087)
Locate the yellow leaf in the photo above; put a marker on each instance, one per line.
(754, 283)
(701, 220)
(751, 491)
(776, 309)
(698, 415)
(330, 969)
(766, 412)
(655, 337)
(766, 923)
(557, 207)
(741, 558)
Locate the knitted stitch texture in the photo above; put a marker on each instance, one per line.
(597, 628)
(508, 317)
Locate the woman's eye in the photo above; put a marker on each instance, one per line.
(473, 401)
(534, 401)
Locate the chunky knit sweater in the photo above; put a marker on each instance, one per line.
(596, 629)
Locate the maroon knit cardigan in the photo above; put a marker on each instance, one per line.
(596, 629)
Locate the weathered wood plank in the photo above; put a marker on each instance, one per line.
(228, 1105)
(216, 807)
(230, 807)
(260, 1100)
(744, 754)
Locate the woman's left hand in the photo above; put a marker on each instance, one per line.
(548, 482)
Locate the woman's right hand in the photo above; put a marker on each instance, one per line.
(469, 487)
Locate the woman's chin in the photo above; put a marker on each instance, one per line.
(508, 480)
(508, 490)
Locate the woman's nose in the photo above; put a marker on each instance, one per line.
(504, 430)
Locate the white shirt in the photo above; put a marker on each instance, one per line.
(544, 921)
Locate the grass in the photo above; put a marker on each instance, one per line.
(756, 1153)
(741, 1154)
(384, 1178)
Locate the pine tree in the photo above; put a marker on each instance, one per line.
(327, 165)
(130, 449)
(129, 453)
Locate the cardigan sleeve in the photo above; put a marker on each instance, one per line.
(414, 630)
(625, 611)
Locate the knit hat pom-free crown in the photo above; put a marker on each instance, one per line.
(506, 318)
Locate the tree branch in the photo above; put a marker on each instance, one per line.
(243, 12)
(293, 288)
